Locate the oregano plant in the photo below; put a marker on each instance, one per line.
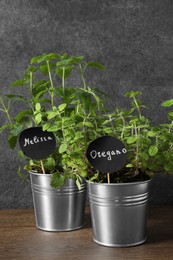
(165, 156)
(140, 138)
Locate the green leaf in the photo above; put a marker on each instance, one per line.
(38, 95)
(52, 56)
(12, 140)
(132, 139)
(129, 165)
(50, 163)
(39, 59)
(78, 184)
(53, 128)
(22, 176)
(40, 86)
(44, 100)
(167, 103)
(19, 82)
(153, 150)
(85, 97)
(68, 69)
(21, 154)
(151, 133)
(144, 155)
(107, 130)
(64, 63)
(44, 68)
(96, 65)
(32, 69)
(22, 114)
(89, 124)
(170, 114)
(106, 122)
(84, 172)
(45, 57)
(78, 135)
(132, 94)
(51, 114)
(16, 130)
(28, 168)
(37, 107)
(77, 59)
(26, 122)
(61, 107)
(38, 118)
(62, 148)
(4, 127)
(46, 126)
(14, 96)
(95, 177)
(57, 180)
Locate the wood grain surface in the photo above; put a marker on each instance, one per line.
(20, 239)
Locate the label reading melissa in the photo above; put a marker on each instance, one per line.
(36, 143)
(107, 154)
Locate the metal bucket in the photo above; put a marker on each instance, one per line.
(57, 209)
(119, 213)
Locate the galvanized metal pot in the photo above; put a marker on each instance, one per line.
(119, 213)
(57, 209)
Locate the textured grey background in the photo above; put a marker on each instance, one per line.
(134, 39)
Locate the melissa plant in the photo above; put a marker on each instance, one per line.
(50, 101)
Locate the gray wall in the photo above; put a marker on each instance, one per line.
(134, 39)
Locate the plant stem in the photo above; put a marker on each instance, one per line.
(137, 152)
(113, 128)
(63, 79)
(170, 127)
(51, 83)
(31, 103)
(82, 76)
(123, 126)
(42, 167)
(137, 106)
(108, 177)
(6, 110)
(30, 81)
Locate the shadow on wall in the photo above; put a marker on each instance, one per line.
(161, 189)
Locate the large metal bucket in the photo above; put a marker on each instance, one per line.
(119, 213)
(57, 209)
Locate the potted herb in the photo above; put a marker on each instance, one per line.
(118, 201)
(165, 140)
(52, 109)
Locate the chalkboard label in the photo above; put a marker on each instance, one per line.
(36, 143)
(107, 154)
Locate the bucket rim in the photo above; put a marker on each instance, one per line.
(41, 174)
(119, 184)
(49, 175)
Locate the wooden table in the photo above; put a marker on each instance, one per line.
(20, 239)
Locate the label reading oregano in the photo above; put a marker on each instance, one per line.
(107, 154)
(36, 143)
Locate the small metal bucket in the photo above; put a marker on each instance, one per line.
(57, 209)
(119, 213)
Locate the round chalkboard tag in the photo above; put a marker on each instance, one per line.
(107, 154)
(36, 143)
